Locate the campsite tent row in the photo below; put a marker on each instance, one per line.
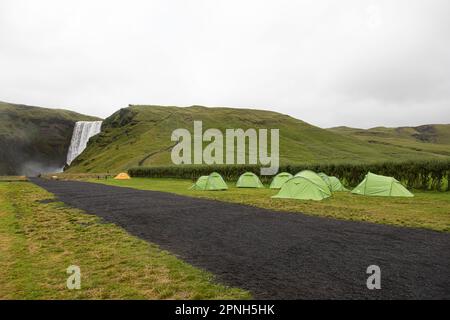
(305, 185)
(250, 180)
(308, 185)
(215, 182)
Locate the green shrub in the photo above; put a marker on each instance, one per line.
(424, 175)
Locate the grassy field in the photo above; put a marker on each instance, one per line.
(12, 178)
(40, 238)
(429, 210)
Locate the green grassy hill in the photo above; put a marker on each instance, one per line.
(34, 139)
(140, 136)
(434, 139)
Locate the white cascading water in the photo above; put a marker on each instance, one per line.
(82, 132)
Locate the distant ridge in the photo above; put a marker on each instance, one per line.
(431, 138)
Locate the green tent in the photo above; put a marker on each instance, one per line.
(325, 178)
(302, 188)
(375, 185)
(315, 178)
(249, 180)
(333, 183)
(336, 185)
(200, 184)
(280, 179)
(210, 183)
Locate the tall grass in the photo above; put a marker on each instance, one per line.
(423, 175)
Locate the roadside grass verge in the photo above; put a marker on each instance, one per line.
(12, 178)
(430, 210)
(40, 238)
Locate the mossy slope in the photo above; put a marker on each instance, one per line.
(140, 136)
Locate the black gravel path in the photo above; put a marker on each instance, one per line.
(275, 255)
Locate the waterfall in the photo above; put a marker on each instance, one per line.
(82, 132)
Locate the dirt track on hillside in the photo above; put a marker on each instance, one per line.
(275, 255)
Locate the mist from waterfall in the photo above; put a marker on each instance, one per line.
(82, 132)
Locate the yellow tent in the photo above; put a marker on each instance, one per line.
(122, 176)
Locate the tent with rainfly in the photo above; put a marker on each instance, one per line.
(200, 184)
(306, 185)
(122, 176)
(249, 180)
(376, 185)
(333, 183)
(280, 179)
(212, 182)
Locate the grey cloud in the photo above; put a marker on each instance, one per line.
(352, 62)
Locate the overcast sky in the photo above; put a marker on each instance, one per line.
(360, 63)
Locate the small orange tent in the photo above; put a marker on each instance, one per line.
(122, 176)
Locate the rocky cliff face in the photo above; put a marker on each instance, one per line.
(34, 140)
